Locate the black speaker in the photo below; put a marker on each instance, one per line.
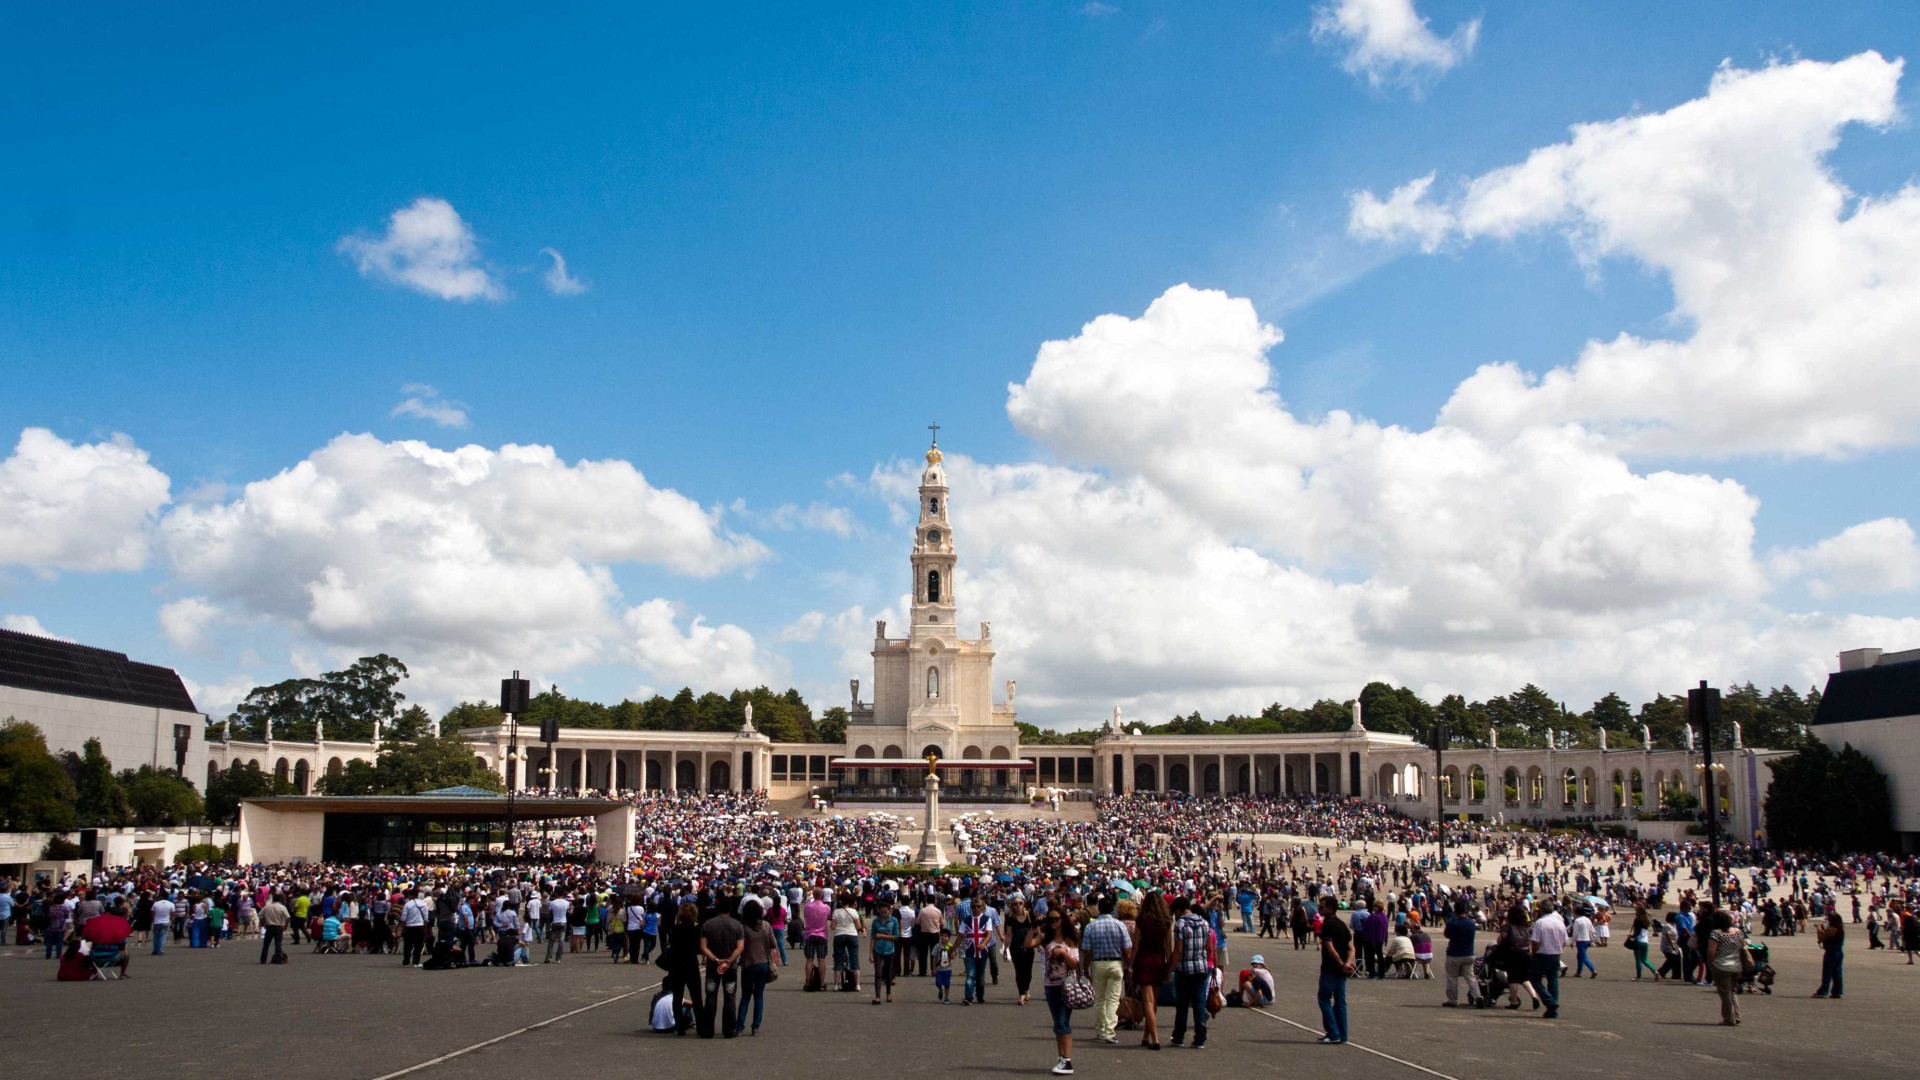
(515, 694)
(550, 729)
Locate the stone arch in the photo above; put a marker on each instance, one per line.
(1569, 787)
(1244, 779)
(301, 772)
(213, 770)
(719, 776)
(1619, 789)
(1322, 779)
(653, 775)
(1512, 783)
(280, 770)
(1414, 781)
(335, 767)
(1389, 782)
(256, 764)
(1476, 784)
(1001, 753)
(1450, 784)
(931, 750)
(1178, 779)
(686, 776)
(933, 586)
(1144, 777)
(1636, 789)
(971, 753)
(893, 752)
(865, 750)
(1589, 788)
(1210, 779)
(1536, 786)
(621, 781)
(1659, 789)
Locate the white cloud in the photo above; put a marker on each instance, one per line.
(1094, 9)
(805, 628)
(1200, 546)
(425, 402)
(185, 621)
(1799, 300)
(27, 624)
(1387, 43)
(716, 657)
(1405, 213)
(463, 562)
(1871, 557)
(559, 283)
(429, 249)
(66, 506)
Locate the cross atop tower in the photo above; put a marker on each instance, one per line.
(935, 428)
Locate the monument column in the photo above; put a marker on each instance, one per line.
(673, 770)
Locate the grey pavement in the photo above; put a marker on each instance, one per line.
(218, 1013)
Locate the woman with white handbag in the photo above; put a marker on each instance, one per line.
(1065, 983)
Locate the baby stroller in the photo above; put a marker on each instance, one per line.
(1761, 981)
(1490, 978)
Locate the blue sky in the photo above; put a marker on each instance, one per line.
(805, 233)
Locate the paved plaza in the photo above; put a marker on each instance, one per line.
(219, 1013)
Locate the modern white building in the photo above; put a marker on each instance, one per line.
(141, 713)
(1873, 703)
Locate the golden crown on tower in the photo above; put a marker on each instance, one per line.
(933, 456)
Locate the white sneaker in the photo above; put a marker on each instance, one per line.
(1063, 1067)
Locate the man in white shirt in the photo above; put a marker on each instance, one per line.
(162, 924)
(414, 916)
(557, 909)
(1549, 940)
(1582, 934)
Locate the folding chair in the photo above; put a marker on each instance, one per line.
(101, 960)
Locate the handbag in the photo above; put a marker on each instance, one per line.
(1131, 1010)
(1748, 967)
(1077, 990)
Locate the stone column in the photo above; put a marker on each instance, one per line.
(673, 770)
(930, 853)
(733, 771)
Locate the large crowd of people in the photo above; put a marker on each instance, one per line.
(721, 891)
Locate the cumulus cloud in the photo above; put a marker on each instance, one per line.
(1200, 546)
(425, 402)
(818, 517)
(185, 622)
(462, 561)
(1871, 557)
(27, 624)
(1799, 299)
(1387, 43)
(559, 282)
(701, 656)
(68, 506)
(426, 248)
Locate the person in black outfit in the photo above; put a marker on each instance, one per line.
(682, 961)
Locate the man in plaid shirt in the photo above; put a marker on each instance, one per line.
(1192, 972)
(1107, 945)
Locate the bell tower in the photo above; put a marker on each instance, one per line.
(933, 558)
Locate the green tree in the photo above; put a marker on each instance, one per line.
(99, 799)
(36, 794)
(832, 725)
(471, 714)
(409, 768)
(412, 723)
(243, 781)
(1666, 720)
(1859, 805)
(161, 797)
(349, 703)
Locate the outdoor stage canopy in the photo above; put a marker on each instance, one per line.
(452, 822)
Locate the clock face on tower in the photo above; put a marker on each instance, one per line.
(933, 536)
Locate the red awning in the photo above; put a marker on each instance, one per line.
(944, 764)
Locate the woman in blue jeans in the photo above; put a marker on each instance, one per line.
(756, 966)
(1060, 944)
(1833, 940)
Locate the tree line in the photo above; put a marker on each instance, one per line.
(351, 704)
(45, 792)
(1526, 718)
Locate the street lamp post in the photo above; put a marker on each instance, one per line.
(1703, 711)
(1440, 785)
(514, 697)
